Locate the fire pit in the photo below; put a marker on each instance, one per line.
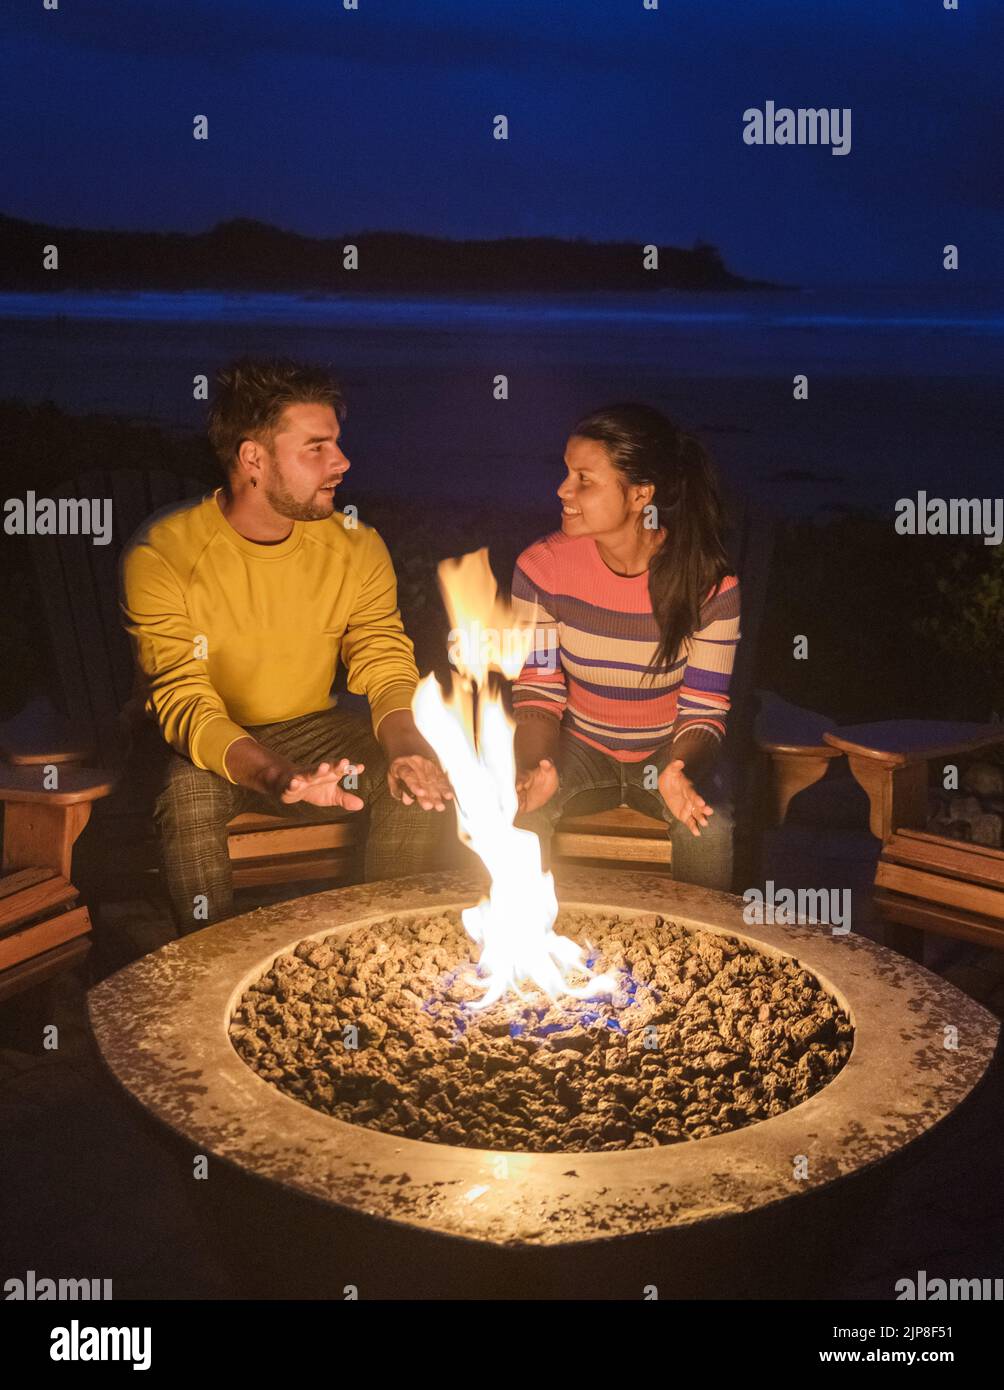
(164, 1027)
(640, 1063)
(701, 1035)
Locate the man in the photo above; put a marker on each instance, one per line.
(240, 606)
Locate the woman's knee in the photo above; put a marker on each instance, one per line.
(716, 788)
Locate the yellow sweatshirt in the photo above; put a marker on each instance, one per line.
(227, 632)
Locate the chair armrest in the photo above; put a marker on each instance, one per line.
(889, 762)
(75, 785)
(781, 727)
(898, 743)
(793, 739)
(40, 826)
(40, 734)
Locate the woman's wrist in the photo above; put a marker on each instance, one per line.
(697, 748)
(536, 738)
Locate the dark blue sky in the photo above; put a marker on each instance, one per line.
(624, 124)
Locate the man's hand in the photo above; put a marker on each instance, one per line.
(536, 786)
(320, 788)
(413, 777)
(413, 774)
(678, 793)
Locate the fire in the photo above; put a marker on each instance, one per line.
(473, 739)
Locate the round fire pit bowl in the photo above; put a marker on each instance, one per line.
(162, 1025)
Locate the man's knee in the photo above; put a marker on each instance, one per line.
(354, 739)
(190, 796)
(371, 783)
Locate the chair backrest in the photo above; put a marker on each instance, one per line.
(78, 587)
(751, 546)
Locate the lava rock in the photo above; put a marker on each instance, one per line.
(741, 1036)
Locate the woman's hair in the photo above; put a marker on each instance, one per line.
(647, 447)
(252, 395)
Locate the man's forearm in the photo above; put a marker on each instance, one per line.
(537, 737)
(399, 737)
(252, 765)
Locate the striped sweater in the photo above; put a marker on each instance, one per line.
(595, 635)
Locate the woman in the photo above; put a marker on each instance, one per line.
(624, 697)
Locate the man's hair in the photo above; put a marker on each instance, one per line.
(252, 394)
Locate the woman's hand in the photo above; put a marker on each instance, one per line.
(678, 793)
(536, 786)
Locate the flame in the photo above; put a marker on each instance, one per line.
(514, 924)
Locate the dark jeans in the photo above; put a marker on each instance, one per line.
(590, 781)
(191, 809)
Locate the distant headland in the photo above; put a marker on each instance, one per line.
(244, 254)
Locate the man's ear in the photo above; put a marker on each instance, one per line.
(249, 459)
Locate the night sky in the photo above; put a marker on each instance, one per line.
(624, 124)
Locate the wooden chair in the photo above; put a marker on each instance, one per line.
(923, 882)
(43, 929)
(91, 657)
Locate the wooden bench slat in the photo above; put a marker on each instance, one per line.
(622, 847)
(253, 873)
(292, 839)
(929, 837)
(951, 858)
(620, 820)
(24, 878)
(33, 900)
(251, 820)
(39, 968)
(988, 902)
(943, 921)
(32, 941)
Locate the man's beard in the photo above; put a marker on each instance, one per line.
(281, 500)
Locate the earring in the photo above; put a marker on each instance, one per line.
(254, 482)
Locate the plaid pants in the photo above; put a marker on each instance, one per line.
(590, 781)
(193, 806)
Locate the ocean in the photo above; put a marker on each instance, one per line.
(904, 388)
